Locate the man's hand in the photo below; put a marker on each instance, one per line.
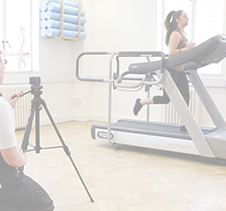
(14, 98)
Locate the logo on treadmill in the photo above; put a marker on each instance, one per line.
(104, 135)
(174, 145)
(134, 66)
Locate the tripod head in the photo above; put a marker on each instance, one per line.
(35, 86)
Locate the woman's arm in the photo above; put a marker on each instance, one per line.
(174, 41)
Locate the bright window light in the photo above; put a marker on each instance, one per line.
(16, 34)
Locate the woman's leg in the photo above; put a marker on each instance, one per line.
(183, 86)
(181, 82)
(164, 99)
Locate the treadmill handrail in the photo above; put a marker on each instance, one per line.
(146, 54)
(118, 82)
(77, 66)
(122, 54)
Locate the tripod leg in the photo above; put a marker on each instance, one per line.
(27, 132)
(28, 128)
(37, 128)
(65, 147)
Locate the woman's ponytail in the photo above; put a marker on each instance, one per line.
(171, 23)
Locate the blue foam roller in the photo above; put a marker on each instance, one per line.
(43, 7)
(66, 33)
(68, 26)
(67, 18)
(67, 9)
(43, 23)
(43, 15)
(68, 3)
(43, 32)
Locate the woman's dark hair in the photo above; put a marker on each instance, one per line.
(171, 23)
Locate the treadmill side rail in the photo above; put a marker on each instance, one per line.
(186, 116)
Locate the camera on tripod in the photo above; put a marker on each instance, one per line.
(35, 80)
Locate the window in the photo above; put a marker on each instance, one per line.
(205, 21)
(17, 36)
(209, 16)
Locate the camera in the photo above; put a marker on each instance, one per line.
(35, 80)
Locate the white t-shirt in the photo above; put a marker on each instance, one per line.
(7, 125)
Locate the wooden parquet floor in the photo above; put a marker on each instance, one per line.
(130, 179)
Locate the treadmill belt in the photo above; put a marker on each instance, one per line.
(152, 128)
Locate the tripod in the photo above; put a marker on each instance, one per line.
(36, 104)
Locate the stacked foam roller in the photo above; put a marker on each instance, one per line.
(51, 19)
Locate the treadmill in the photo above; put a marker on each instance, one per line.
(202, 141)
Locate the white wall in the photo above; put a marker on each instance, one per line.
(56, 72)
(119, 26)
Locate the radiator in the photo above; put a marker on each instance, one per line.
(22, 109)
(170, 114)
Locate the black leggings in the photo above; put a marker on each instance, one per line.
(180, 79)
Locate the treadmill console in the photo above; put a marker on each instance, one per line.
(211, 51)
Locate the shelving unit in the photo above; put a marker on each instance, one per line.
(62, 24)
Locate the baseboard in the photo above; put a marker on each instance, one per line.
(82, 118)
(57, 119)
